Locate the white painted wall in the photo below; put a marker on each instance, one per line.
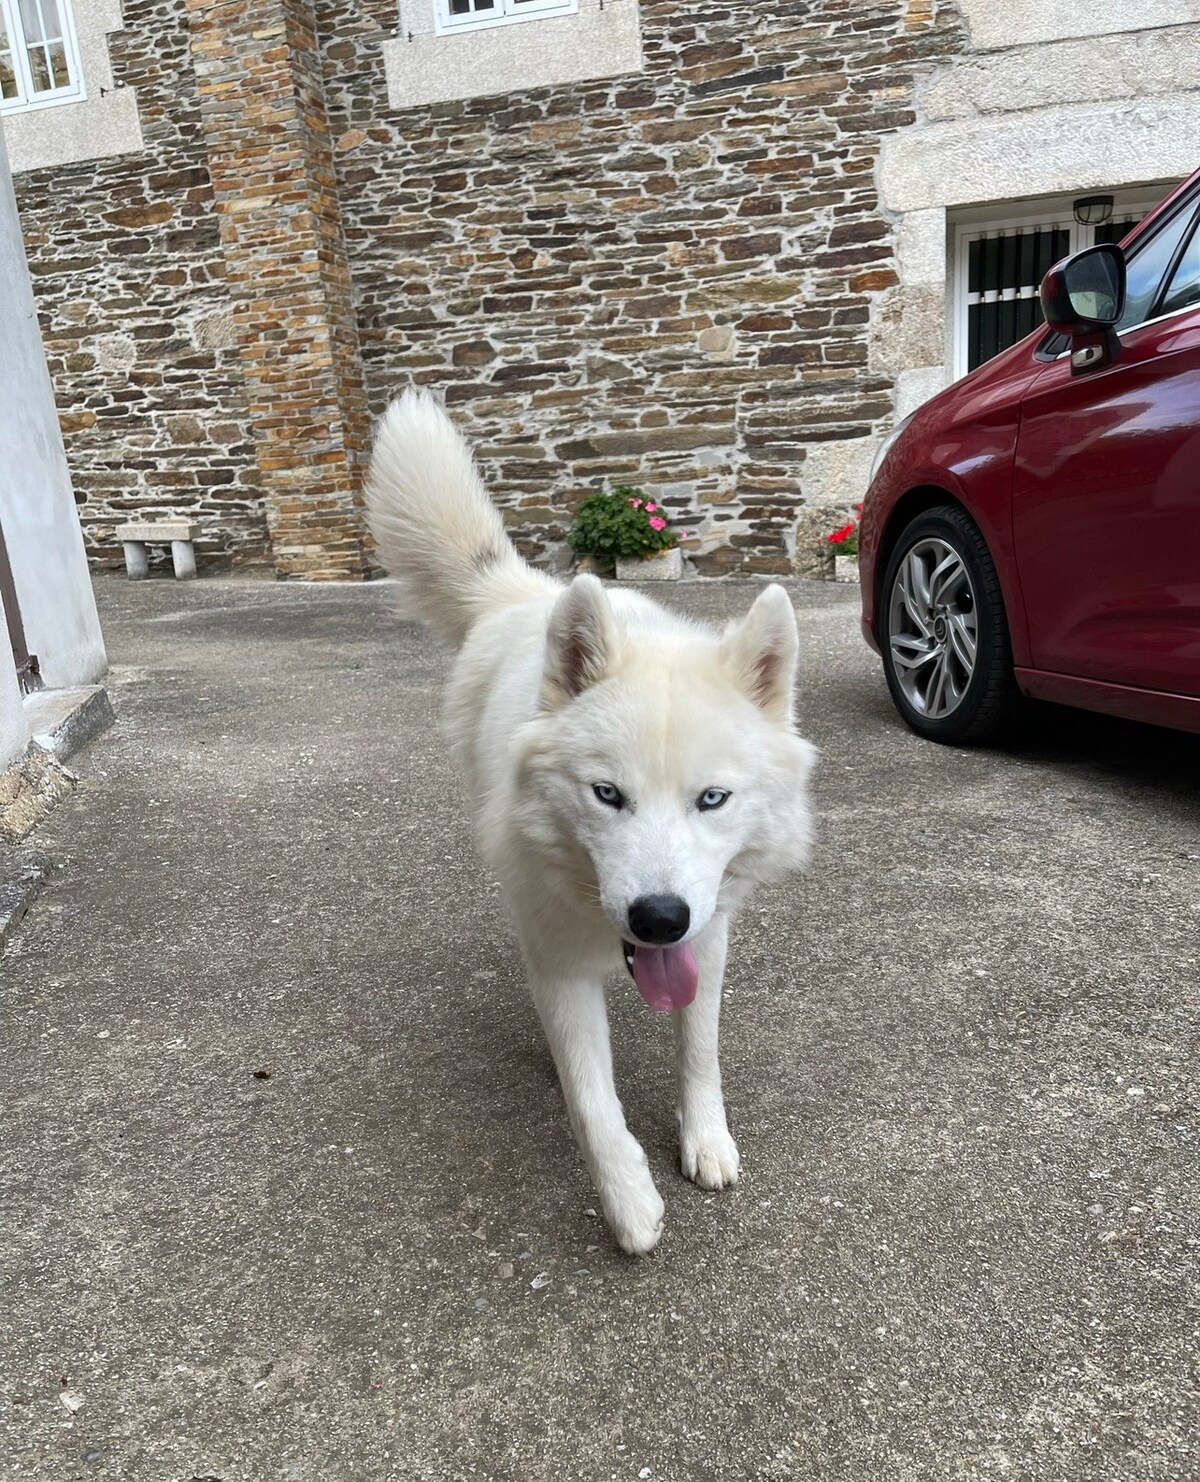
(14, 731)
(103, 122)
(37, 506)
(602, 40)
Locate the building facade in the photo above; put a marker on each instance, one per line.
(711, 250)
(53, 654)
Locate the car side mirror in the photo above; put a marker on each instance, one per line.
(1083, 297)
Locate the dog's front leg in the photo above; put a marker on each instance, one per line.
(576, 1024)
(708, 1155)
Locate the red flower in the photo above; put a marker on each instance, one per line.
(844, 533)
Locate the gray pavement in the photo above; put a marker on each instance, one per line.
(289, 1191)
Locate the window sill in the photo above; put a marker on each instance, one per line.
(12, 106)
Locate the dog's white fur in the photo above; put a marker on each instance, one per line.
(557, 687)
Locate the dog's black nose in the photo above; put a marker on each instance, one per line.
(659, 919)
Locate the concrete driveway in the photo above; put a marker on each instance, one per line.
(289, 1188)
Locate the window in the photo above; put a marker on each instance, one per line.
(1149, 265)
(462, 15)
(1000, 267)
(1183, 291)
(39, 57)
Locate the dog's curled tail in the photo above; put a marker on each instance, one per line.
(438, 532)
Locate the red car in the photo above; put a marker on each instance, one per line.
(1035, 528)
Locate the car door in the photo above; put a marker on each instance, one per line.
(1106, 492)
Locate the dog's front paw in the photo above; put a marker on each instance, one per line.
(710, 1159)
(633, 1208)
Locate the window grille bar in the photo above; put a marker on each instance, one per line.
(1004, 273)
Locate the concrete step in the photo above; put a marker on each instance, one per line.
(62, 722)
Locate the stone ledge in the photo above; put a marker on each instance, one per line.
(1038, 151)
(158, 532)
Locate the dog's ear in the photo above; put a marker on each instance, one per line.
(762, 649)
(580, 644)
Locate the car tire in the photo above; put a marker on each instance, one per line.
(944, 633)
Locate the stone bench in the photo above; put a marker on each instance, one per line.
(179, 534)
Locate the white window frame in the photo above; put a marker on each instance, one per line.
(27, 100)
(1001, 220)
(506, 13)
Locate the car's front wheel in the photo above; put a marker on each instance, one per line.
(946, 649)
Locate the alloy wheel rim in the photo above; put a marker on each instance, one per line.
(933, 628)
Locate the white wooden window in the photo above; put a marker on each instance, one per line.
(470, 15)
(39, 55)
(999, 265)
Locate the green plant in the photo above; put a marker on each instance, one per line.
(623, 523)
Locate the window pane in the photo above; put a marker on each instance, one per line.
(1185, 284)
(1053, 245)
(975, 267)
(58, 64)
(40, 68)
(1026, 258)
(1147, 266)
(31, 21)
(51, 21)
(8, 79)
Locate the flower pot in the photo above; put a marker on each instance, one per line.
(845, 568)
(663, 566)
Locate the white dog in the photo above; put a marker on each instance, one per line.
(633, 775)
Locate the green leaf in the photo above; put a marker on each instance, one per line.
(609, 525)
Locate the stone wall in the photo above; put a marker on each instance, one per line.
(135, 314)
(664, 279)
(719, 276)
(270, 158)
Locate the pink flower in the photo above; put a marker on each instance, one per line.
(650, 508)
(637, 503)
(657, 522)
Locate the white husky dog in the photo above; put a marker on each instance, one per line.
(633, 776)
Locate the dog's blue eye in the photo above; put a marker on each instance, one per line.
(711, 799)
(609, 794)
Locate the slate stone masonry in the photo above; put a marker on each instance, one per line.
(664, 279)
(135, 313)
(262, 105)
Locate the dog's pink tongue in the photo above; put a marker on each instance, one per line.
(666, 977)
